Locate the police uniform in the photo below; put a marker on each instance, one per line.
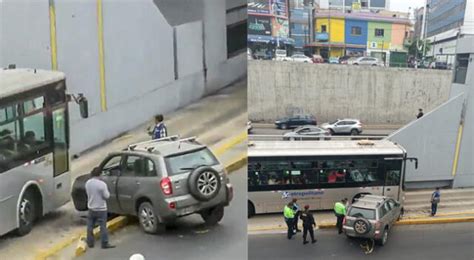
(308, 223)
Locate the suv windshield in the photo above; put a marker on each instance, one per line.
(362, 213)
(187, 161)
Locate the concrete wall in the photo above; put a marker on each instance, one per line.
(372, 94)
(144, 50)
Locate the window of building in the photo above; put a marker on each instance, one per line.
(236, 38)
(460, 69)
(323, 28)
(356, 30)
(379, 32)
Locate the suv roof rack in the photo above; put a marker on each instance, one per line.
(150, 145)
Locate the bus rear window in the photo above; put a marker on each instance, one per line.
(362, 213)
(188, 161)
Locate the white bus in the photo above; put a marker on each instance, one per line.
(319, 173)
(34, 132)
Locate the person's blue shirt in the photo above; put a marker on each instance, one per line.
(159, 131)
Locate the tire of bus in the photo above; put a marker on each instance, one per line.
(27, 213)
(250, 209)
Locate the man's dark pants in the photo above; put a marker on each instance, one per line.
(290, 224)
(340, 218)
(305, 233)
(295, 220)
(434, 208)
(100, 218)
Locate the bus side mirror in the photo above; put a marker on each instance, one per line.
(83, 106)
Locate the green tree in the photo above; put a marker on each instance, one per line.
(416, 48)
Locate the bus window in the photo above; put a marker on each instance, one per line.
(304, 172)
(364, 172)
(266, 173)
(33, 105)
(333, 171)
(393, 169)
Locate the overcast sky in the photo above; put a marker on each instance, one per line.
(403, 5)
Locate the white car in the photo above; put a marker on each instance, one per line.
(367, 61)
(301, 58)
(343, 126)
(280, 55)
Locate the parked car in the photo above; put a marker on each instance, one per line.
(367, 61)
(334, 60)
(162, 180)
(280, 55)
(295, 121)
(307, 132)
(301, 58)
(249, 54)
(372, 217)
(262, 55)
(249, 127)
(344, 126)
(317, 59)
(343, 59)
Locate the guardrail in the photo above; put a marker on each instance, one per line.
(312, 138)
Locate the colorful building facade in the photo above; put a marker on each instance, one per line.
(359, 34)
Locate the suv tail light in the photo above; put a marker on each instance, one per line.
(378, 225)
(165, 185)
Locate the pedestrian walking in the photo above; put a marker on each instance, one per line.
(297, 210)
(340, 212)
(308, 225)
(435, 199)
(420, 113)
(289, 215)
(159, 131)
(97, 194)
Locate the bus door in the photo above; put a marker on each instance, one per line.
(61, 173)
(392, 172)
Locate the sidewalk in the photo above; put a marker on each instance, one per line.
(224, 112)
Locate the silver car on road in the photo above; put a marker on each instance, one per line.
(344, 126)
(161, 180)
(372, 217)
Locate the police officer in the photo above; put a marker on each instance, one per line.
(340, 212)
(308, 224)
(297, 210)
(289, 215)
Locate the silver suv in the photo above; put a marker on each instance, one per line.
(372, 217)
(344, 126)
(160, 181)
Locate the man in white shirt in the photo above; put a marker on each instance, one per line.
(97, 194)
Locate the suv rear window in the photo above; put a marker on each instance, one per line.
(184, 162)
(362, 213)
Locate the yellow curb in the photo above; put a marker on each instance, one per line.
(237, 163)
(231, 143)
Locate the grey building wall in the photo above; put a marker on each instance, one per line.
(372, 94)
(433, 138)
(140, 56)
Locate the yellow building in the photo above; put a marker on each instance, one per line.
(335, 28)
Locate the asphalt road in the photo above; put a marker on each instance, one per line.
(189, 239)
(275, 131)
(445, 241)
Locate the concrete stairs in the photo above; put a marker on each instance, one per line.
(451, 200)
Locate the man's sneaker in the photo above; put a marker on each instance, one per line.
(314, 241)
(305, 242)
(107, 246)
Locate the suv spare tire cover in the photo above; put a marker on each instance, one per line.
(204, 183)
(362, 226)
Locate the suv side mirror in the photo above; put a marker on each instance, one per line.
(83, 106)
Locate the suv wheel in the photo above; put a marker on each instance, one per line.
(362, 226)
(354, 132)
(213, 216)
(284, 126)
(204, 183)
(149, 220)
(250, 209)
(331, 131)
(26, 214)
(384, 238)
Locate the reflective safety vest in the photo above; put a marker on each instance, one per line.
(288, 212)
(339, 208)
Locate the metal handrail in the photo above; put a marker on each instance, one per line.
(314, 138)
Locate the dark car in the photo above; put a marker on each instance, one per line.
(295, 121)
